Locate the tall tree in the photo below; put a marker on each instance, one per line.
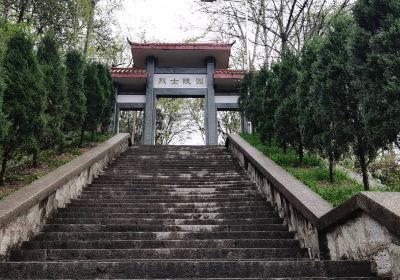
(251, 96)
(4, 124)
(56, 90)
(24, 99)
(107, 86)
(95, 99)
(309, 123)
(331, 91)
(375, 74)
(75, 67)
(287, 124)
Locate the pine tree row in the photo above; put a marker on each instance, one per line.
(47, 98)
(340, 94)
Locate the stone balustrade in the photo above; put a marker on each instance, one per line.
(23, 212)
(366, 227)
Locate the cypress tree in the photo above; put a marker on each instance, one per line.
(109, 95)
(269, 105)
(95, 99)
(56, 91)
(3, 122)
(247, 92)
(309, 123)
(331, 91)
(376, 82)
(75, 67)
(24, 99)
(287, 115)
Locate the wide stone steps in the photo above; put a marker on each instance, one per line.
(202, 216)
(181, 235)
(171, 213)
(190, 228)
(173, 269)
(147, 244)
(84, 208)
(158, 253)
(166, 222)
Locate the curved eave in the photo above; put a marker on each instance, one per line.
(128, 73)
(188, 46)
(129, 76)
(186, 55)
(229, 74)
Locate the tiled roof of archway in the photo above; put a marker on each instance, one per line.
(229, 74)
(118, 72)
(182, 46)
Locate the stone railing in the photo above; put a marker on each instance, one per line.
(366, 227)
(23, 212)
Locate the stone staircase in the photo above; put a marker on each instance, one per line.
(171, 212)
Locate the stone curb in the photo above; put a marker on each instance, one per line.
(306, 201)
(21, 201)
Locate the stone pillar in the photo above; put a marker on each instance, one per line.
(149, 111)
(210, 108)
(116, 119)
(244, 124)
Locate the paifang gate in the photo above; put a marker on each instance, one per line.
(178, 70)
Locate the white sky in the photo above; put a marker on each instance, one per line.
(162, 20)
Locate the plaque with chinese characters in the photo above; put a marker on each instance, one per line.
(180, 81)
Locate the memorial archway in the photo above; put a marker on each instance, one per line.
(178, 70)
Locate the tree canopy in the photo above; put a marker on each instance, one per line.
(339, 93)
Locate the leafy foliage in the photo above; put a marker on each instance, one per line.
(340, 93)
(24, 98)
(95, 97)
(55, 90)
(75, 67)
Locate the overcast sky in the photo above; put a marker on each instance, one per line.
(162, 20)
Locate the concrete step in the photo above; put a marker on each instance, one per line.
(102, 203)
(155, 228)
(182, 269)
(157, 244)
(291, 278)
(165, 222)
(90, 236)
(177, 188)
(172, 194)
(164, 254)
(128, 199)
(199, 216)
(125, 209)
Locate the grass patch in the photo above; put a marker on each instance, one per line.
(21, 173)
(313, 172)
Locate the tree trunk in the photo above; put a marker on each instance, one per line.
(92, 136)
(35, 159)
(3, 170)
(301, 153)
(284, 147)
(89, 29)
(363, 165)
(81, 139)
(22, 8)
(331, 165)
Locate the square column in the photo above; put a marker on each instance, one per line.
(116, 119)
(210, 108)
(149, 122)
